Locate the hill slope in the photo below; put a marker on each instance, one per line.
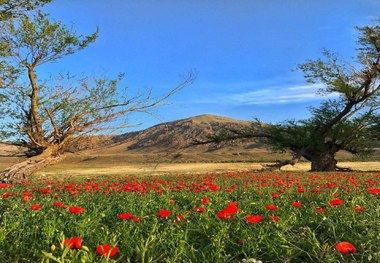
(176, 135)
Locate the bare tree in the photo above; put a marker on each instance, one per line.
(48, 116)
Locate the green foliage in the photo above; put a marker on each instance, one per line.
(38, 40)
(12, 9)
(300, 235)
(53, 113)
(356, 135)
(351, 121)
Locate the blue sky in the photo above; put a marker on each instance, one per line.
(245, 51)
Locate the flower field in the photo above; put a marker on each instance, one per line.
(213, 217)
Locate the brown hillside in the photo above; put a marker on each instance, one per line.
(177, 135)
(170, 142)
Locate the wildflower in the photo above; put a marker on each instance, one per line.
(359, 208)
(3, 185)
(254, 219)
(274, 218)
(59, 204)
(125, 216)
(336, 202)
(231, 208)
(205, 201)
(297, 204)
(200, 209)
(300, 189)
(164, 213)
(73, 242)
(106, 250)
(373, 191)
(26, 199)
(345, 247)
(271, 207)
(36, 207)
(223, 214)
(240, 242)
(136, 219)
(76, 210)
(320, 210)
(228, 211)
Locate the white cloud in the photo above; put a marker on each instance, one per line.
(273, 95)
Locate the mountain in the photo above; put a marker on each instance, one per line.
(173, 142)
(165, 140)
(180, 134)
(170, 142)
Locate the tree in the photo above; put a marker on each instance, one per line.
(47, 117)
(351, 122)
(10, 11)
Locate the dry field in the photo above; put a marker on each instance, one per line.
(181, 168)
(118, 166)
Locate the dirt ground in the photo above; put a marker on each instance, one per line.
(163, 168)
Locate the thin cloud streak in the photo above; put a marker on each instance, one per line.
(275, 95)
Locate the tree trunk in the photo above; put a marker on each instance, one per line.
(279, 164)
(21, 171)
(323, 162)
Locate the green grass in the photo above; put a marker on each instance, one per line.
(301, 234)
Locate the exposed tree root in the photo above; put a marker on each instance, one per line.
(21, 171)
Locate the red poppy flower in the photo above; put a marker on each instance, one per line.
(76, 209)
(373, 191)
(231, 208)
(172, 201)
(254, 219)
(36, 207)
(359, 208)
(274, 218)
(320, 210)
(125, 216)
(3, 185)
(164, 213)
(300, 189)
(136, 219)
(200, 209)
(275, 195)
(6, 195)
(345, 247)
(180, 217)
(228, 211)
(106, 250)
(297, 204)
(205, 201)
(26, 199)
(223, 214)
(60, 204)
(73, 242)
(336, 202)
(271, 207)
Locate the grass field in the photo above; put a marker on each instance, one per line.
(191, 217)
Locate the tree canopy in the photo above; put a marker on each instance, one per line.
(47, 116)
(349, 122)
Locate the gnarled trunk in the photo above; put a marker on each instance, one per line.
(323, 162)
(21, 171)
